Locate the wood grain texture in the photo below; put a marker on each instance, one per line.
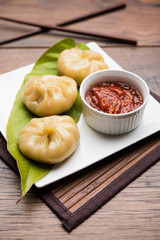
(135, 212)
(103, 180)
(76, 190)
(145, 61)
(140, 19)
(45, 28)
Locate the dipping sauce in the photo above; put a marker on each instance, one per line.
(113, 98)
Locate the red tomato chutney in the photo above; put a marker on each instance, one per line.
(113, 97)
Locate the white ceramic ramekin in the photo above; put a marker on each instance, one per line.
(113, 123)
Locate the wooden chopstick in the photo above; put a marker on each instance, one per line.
(116, 38)
(28, 34)
(114, 7)
(108, 9)
(45, 28)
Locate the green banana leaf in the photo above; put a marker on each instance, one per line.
(29, 170)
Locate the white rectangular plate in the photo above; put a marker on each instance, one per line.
(93, 146)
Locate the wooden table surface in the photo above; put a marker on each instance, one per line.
(134, 213)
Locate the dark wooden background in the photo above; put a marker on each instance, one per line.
(135, 212)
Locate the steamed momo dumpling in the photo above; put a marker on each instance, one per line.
(49, 139)
(78, 64)
(49, 95)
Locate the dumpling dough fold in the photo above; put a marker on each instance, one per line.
(78, 64)
(49, 95)
(49, 139)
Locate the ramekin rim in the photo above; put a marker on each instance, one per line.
(119, 114)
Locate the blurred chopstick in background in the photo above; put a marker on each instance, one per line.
(109, 9)
(60, 27)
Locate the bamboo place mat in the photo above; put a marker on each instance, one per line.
(75, 198)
